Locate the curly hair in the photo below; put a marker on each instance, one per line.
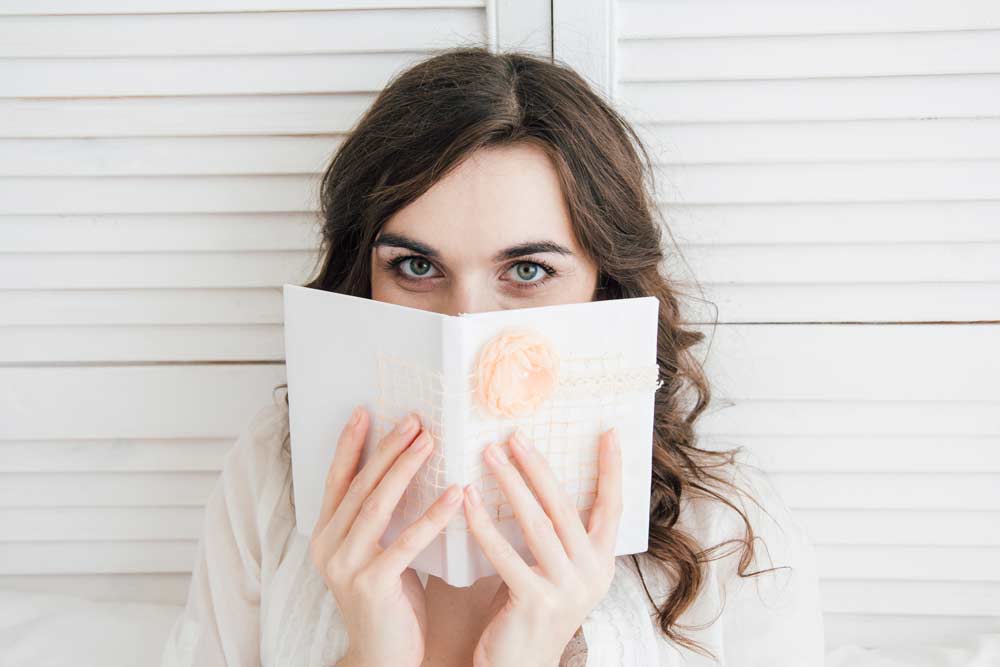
(438, 112)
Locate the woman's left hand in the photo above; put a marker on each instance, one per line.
(538, 609)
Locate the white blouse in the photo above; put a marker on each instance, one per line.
(256, 598)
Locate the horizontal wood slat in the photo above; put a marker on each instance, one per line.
(820, 141)
(220, 115)
(195, 75)
(897, 97)
(395, 28)
(73, 7)
(110, 307)
(645, 18)
(135, 401)
(118, 524)
(159, 556)
(902, 631)
(810, 56)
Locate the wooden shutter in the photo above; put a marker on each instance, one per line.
(831, 172)
(159, 168)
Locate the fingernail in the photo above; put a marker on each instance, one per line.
(356, 416)
(520, 442)
(421, 443)
(472, 495)
(407, 426)
(496, 454)
(453, 494)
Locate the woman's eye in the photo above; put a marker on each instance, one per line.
(528, 271)
(419, 266)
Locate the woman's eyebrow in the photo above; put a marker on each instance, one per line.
(519, 250)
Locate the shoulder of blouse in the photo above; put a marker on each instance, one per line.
(730, 603)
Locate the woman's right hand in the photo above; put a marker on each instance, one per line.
(379, 595)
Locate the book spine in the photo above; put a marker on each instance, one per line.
(452, 425)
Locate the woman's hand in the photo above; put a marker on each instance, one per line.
(378, 594)
(538, 609)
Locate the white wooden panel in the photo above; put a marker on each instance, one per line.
(120, 455)
(847, 263)
(174, 194)
(163, 400)
(62, 38)
(679, 18)
(111, 489)
(69, 271)
(869, 363)
(829, 222)
(223, 115)
(73, 7)
(905, 563)
(160, 232)
(216, 75)
(913, 491)
(748, 419)
(829, 173)
(902, 527)
(139, 343)
(900, 302)
(850, 453)
(905, 630)
(98, 557)
(123, 306)
(147, 156)
(810, 56)
(123, 316)
(138, 587)
(828, 141)
(116, 524)
(859, 181)
(932, 96)
(959, 598)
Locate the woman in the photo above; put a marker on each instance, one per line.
(477, 182)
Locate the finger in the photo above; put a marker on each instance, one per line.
(344, 465)
(360, 487)
(556, 503)
(607, 510)
(518, 576)
(360, 544)
(539, 531)
(415, 538)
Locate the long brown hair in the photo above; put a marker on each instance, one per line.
(439, 111)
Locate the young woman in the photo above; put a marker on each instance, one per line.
(475, 182)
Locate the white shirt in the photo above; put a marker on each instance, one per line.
(256, 598)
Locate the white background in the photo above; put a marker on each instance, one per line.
(831, 172)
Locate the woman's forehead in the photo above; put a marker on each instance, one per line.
(496, 198)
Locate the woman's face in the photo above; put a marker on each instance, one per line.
(493, 234)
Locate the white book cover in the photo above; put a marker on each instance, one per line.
(583, 368)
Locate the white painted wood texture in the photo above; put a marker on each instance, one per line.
(829, 169)
(159, 168)
(831, 173)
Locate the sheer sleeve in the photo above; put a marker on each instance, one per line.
(773, 619)
(220, 622)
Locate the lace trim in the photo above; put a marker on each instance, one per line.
(619, 630)
(575, 653)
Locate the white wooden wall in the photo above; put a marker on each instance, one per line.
(159, 168)
(831, 171)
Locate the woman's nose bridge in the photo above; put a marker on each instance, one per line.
(468, 297)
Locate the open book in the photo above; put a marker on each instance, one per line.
(562, 373)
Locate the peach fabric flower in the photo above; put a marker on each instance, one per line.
(517, 372)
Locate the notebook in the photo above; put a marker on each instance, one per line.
(562, 373)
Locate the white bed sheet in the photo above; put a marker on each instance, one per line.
(53, 630)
